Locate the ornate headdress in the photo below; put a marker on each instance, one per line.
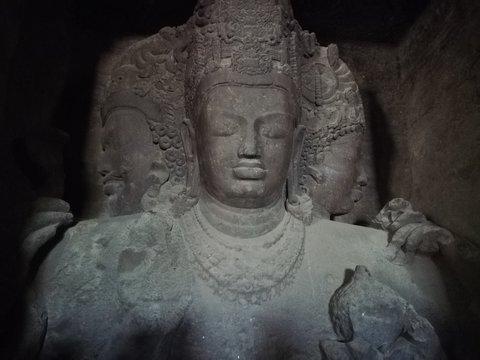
(249, 42)
(253, 42)
(149, 78)
(331, 105)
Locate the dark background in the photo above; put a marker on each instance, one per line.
(416, 62)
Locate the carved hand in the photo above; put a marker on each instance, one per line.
(418, 237)
(48, 215)
(372, 321)
(409, 232)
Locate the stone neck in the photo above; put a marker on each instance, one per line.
(241, 222)
(320, 213)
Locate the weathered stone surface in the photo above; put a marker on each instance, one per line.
(440, 61)
(330, 169)
(409, 231)
(425, 149)
(373, 322)
(113, 288)
(124, 284)
(231, 268)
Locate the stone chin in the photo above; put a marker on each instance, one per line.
(244, 193)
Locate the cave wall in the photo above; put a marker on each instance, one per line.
(439, 63)
(422, 104)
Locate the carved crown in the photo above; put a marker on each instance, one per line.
(251, 42)
(255, 41)
(148, 77)
(331, 105)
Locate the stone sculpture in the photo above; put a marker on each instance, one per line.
(130, 164)
(144, 166)
(233, 274)
(409, 231)
(373, 322)
(332, 174)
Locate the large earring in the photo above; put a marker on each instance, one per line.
(187, 199)
(298, 203)
(293, 171)
(189, 141)
(158, 176)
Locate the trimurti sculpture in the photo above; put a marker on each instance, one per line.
(244, 106)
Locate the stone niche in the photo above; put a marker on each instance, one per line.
(120, 238)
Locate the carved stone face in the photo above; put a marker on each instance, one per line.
(244, 144)
(339, 177)
(130, 163)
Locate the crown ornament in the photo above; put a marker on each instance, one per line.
(246, 42)
(148, 77)
(331, 105)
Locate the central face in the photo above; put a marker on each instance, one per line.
(244, 144)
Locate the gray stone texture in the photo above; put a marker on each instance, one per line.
(231, 266)
(421, 97)
(410, 232)
(422, 103)
(373, 322)
(440, 74)
(103, 296)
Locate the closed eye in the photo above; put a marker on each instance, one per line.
(225, 125)
(225, 130)
(273, 132)
(274, 126)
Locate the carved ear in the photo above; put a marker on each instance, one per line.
(298, 204)
(317, 174)
(188, 138)
(332, 55)
(294, 171)
(189, 141)
(159, 173)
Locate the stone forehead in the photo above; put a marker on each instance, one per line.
(246, 100)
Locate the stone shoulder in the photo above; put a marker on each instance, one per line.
(347, 231)
(335, 248)
(334, 245)
(117, 277)
(106, 248)
(113, 232)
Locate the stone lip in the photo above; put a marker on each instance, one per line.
(113, 186)
(250, 170)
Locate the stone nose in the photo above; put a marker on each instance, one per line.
(249, 146)
(362, 177)
(104, 166)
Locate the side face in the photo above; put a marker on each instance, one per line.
(244, 144)
(130, 163)
(336, 180)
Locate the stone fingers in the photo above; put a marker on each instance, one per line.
(50, 204)
(46, 218)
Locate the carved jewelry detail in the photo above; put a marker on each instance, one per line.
(331, 106)
(246, 40)
(250, 270)
(149, 77)
(243, 37)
